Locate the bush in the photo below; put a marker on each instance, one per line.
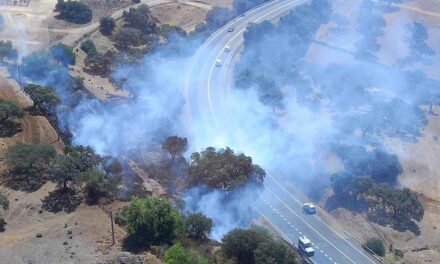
(129, 37)
(198, 226)
(141, 19)
(28, 165)
(74, 11)
(63, 54)
(9, 112)
(152, 221)
(106, 25)
(7, 51)
(376, 245)
(178, 255)
(88, 47)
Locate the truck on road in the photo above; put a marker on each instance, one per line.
(305, 246)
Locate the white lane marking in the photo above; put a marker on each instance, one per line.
(213, 37)
(290, 209)
(319, 219)
(239, 33)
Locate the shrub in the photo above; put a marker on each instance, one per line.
(106, 25)
(152, 221)
(74, 11)
(376, 245)
(88, 47)
(63, 54)
(198, 226)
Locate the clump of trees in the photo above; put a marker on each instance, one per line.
(416, 37)
(7, 51)
(152, 221)
(198, 226)
(74, 11)
(398, 205)
(255, 246)
(45, 100)
(223, 169)
(9, 113)
(28, 165)
(141, 19)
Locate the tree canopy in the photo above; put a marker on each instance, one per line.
(28, 164)
(255, 246)
(44, 98)
(152, 221)
(175, 146)
(141, 18)
(74, 11)
(63, 54)
(223, 169)
(106, 25)
(197, 226)
(9, 112)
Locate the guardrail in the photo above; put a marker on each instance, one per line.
(375, 256)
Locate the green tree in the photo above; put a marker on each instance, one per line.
(152, 221)
(44, 98)
(198, 226)
(88, 47)
(178, 255)
(129, 37)
(74, 12)
(7, 51)
(223, 169)
(241, 244)
(275, 252)
(9, 112)
(64, 170)
(63, 54)
(106, 25)
(376, 245)
(175, 146)
(141, 19)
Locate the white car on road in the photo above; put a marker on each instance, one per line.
(218, 62)
(227, 48)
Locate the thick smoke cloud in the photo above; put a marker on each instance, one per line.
(323, 108)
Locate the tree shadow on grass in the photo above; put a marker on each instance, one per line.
(400, 224)
(334, 203)
(22, 182)
(63, 199)
(133, 244)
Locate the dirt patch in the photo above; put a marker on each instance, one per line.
(83, 236)
(179, 14)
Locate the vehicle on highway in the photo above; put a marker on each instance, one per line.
(305, 246)
(230, 29)
(309, 208)
(227, 48)
(218, 62)
(250, 24)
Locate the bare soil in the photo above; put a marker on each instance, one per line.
(36, 129)
(188, 15)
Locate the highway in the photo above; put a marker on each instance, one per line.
(205, 90)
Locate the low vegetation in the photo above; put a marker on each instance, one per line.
(256, 247)
(9, 113)
(74, 11)
(45, 100)
(223, 169)
(376, 245)
(7, 51)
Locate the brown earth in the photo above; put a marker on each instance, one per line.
(36, 129)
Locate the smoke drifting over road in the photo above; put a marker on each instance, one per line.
(288, 112)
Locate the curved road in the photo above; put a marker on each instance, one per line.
(205, 91)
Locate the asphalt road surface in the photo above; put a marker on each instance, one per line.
(206, 93)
